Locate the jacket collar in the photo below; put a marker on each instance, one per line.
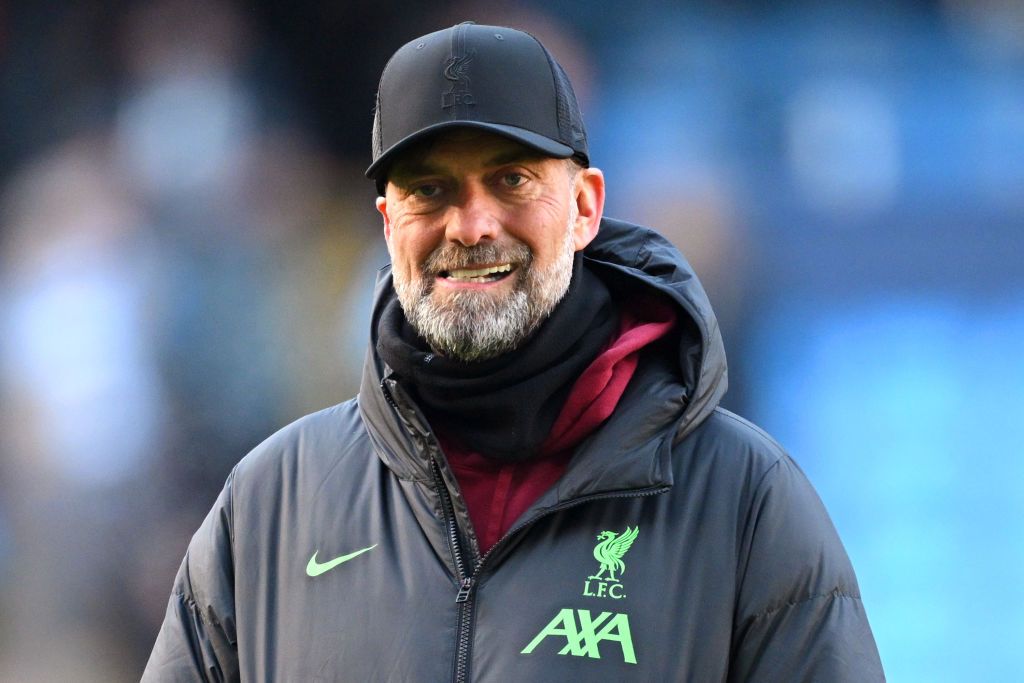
(630, 451)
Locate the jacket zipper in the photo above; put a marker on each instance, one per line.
(467, 578)
(463, 639)
(464, 597)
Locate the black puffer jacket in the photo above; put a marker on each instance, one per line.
(682, 544)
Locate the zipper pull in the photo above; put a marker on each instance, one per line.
(464, 589)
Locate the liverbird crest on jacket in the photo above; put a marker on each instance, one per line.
(610, 550)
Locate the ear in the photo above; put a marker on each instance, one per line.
(382, 207)
(589, 195)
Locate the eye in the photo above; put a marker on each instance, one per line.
(426, 191)
(513, 179)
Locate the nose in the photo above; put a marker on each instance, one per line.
(472, 220)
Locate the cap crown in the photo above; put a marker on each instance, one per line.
(470, 75)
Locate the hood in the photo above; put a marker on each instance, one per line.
(629, 258)
(636, 255)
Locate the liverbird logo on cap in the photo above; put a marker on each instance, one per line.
(456, 70)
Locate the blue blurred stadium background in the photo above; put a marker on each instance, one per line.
(187, 249)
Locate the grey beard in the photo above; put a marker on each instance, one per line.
(478, 325)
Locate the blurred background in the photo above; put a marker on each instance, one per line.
(188, 246)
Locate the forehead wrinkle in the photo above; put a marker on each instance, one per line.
(423, 161)
(513, 155)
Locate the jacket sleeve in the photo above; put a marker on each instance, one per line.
(799, 615)
(197, 639)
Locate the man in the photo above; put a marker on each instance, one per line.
(535, 482)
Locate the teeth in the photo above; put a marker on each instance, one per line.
(470, 274)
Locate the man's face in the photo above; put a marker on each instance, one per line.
(482, 232)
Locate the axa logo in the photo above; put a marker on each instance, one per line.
(583, 634)
(609, 552)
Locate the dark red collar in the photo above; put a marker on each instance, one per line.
(498, 493)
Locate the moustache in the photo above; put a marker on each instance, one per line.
(451, 256)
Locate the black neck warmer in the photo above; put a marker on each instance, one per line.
(504, 408)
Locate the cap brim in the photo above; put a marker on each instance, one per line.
(528, 138)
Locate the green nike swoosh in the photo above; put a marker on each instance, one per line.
(315, 568)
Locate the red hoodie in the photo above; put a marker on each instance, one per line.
(497, 493)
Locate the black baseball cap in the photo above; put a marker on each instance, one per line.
(474, 76)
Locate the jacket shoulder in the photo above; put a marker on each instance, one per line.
(789, 548)
(798, 610)
(733, 442)
(313, 444)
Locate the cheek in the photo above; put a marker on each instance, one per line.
(546, 242)
(408, 251)
(543, 224)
